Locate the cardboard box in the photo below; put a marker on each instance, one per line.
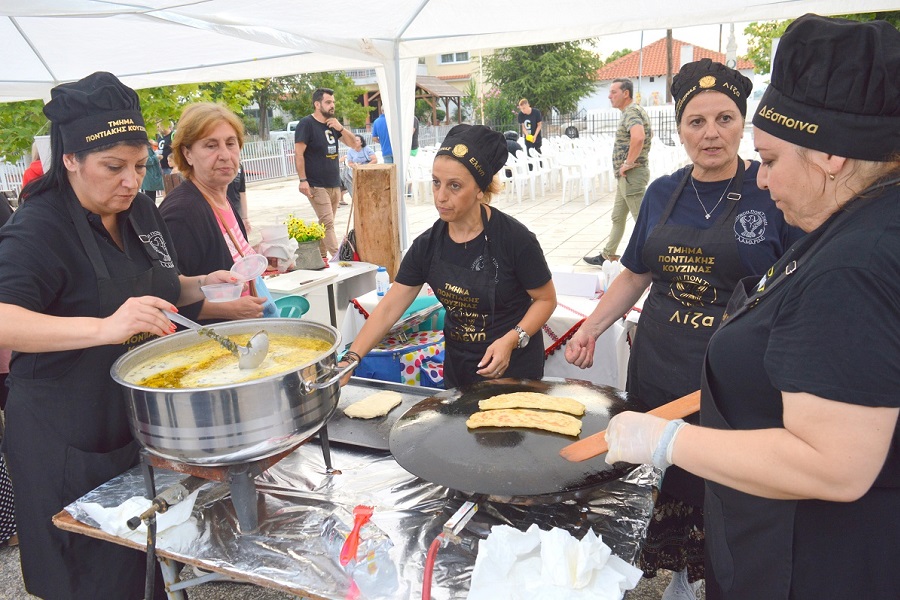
(571, 283)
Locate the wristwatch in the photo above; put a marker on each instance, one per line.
(524, 338)
(302, 179)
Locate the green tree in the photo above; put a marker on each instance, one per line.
(471, 105)
(297, 99)
(759, 43)
(423, 113)
(551, 76)
(20, 122)
(761, 34)
(616, 55)
(164, 103)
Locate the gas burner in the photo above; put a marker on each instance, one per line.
(239, 477)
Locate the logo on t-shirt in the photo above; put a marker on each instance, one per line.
(750, 227)
(156, 241)
(332, 150)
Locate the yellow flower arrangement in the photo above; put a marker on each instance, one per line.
(302, 231)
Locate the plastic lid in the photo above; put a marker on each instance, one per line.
(382, 268)
(249, 267)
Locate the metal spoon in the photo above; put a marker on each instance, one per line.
(249, 356)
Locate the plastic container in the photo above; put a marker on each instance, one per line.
(292, 307)
(249, 267)
(222, 292)
(382, 281)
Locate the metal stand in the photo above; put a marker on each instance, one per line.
(244, 497)
(240, 478)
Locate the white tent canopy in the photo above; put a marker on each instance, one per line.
(162, 42)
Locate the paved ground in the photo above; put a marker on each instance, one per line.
(566, 230)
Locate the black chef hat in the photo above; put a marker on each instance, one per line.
(705, 74)
(95, 111)
(836, 88)
(480, 149)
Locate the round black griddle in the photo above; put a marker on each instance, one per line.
(515, 465)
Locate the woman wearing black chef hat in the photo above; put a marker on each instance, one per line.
(798, 439)
(86, 264)
(485, 267)
(700, 230)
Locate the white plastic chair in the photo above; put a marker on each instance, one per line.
(539, 169)
(576, 167)
(509, 178)
(524, 174)
(419, 179)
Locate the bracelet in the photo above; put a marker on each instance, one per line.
(302, 179)
(662, 456)
(627, 164)
(352, 356)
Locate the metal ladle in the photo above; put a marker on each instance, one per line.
(249, 356)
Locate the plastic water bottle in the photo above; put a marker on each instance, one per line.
(382, 281)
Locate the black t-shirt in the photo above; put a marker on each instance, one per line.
(43, 267)
(165, 148)
(832, 329)
(518, 254)
(321, 154)
(237, 187)
(531, 121)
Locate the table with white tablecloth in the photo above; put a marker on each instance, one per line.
(610, 356)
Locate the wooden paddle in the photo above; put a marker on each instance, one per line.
(595, 445)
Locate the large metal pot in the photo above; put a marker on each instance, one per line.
(233, 423)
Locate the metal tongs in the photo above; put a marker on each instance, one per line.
(249, 356)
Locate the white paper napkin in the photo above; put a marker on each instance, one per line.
(551, 565)
(175, 528)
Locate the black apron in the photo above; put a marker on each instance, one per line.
(69, 434)
(470, 330)
(740, 528)
(756, 526)
(683, 310)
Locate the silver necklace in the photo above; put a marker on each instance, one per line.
(709, 213)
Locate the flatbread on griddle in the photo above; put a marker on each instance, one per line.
(532, 419)
(533, 400)
(376, 405)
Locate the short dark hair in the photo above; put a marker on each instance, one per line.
(362, 140)
(320, 93)
(626, 85)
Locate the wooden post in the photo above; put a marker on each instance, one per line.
(376, 215)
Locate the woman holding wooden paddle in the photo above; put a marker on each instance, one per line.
(798, 440)
(699, 231)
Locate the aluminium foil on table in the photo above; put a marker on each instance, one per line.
(305, 513)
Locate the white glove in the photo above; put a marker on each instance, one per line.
(641, 439)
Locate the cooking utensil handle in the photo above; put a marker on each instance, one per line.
(182, 320)
(595, 445)
(310, 386)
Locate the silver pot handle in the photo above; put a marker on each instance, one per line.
(309, 386)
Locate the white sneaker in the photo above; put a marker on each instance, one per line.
(680, 589)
